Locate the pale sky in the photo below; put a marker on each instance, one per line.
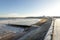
(23, 8)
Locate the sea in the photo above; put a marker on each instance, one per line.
(6, 18)
(28, 21)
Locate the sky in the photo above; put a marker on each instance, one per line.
(24, 8)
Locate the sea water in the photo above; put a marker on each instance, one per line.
(16, 21)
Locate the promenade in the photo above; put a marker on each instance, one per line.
(56, 34)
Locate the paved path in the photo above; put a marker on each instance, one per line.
(56, 35)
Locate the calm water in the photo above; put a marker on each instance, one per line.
(5, 18)
(26, 21)
(20, 22)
